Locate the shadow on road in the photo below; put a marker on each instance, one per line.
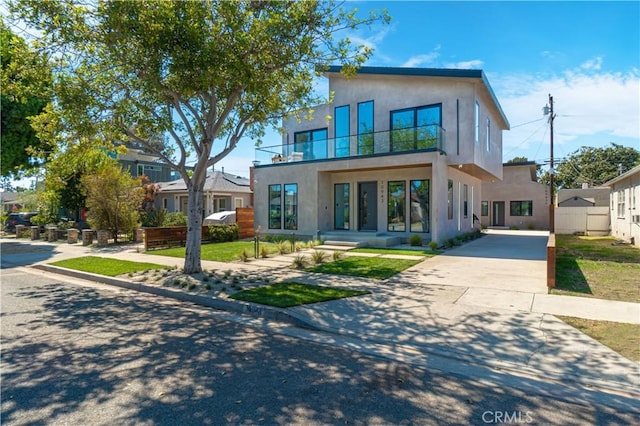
(69, 351)
(17, 253)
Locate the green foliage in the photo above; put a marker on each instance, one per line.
(366, 267)
(205, 73)
(175, 219)
(415, 240)
(319, 256)
(287, 294)
(433, 245)
(515, 160)
(224, 233)
(337, 255)
(300, 261)
(105, 266)
(594, 166)
(113, 199)
(25, 82)
(154, 218)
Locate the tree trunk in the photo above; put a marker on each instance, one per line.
(192, 261)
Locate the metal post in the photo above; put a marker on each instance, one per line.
(552, 171)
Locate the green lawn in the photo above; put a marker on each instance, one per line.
(219, 252)
(106, 266)
(287, 294)
(622, 338)
(366, 267)
(594, 267)
(419, 252)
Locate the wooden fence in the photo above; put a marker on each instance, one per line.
(244, 219)
(169, 236)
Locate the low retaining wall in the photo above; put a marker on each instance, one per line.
(551, 261)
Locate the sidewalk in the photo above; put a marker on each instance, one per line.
(432, 317)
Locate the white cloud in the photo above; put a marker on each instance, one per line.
(594, 64)
(422, 59)
(472, 64)
(587, 104)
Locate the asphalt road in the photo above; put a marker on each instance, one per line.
(86, 354)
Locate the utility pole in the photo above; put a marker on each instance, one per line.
(549, 110)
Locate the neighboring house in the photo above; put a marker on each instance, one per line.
(222, 191)
(139, 163)
(583, 211)
(625, 207)
(583, 197)
(518, 201)
(9, 201)
(400, 151)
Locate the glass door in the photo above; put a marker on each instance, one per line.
(367, 206)
(341, 214)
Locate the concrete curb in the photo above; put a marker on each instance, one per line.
(255, 310)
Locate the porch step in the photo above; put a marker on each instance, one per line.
(352, 244)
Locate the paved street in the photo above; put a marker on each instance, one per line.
(81, 353)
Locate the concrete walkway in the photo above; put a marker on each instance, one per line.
(484, 303)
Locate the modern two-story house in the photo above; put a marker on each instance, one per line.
(400, 151)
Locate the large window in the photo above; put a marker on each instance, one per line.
(275, 209)
(365, 128)
(312, 144)
(291, 206)
(484, 208)
(419, 205)
(396, 206)
(341, 131)
(450, 199)
(415, 128)
(521, 208)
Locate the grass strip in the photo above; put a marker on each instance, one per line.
(622, 338)
(287, 294)
(218, 252)
(106, 266)
(365, 267)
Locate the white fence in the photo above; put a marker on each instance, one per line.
(582, 220)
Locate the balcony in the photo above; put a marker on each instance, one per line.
(413, 139)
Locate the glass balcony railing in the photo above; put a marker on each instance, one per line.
(425, 138)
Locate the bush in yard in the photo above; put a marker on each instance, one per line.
(300, 261)
(224, 233)
(319, 256)
(433, 245)
(415, 240)
(175, 219)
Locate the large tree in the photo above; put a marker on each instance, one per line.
(25, 79)
(204, 73)
(594, 166)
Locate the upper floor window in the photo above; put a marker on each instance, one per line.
(488, 135)
(341, 130)
(477, 122)
(365, 128)
(311, 143)
(415, 128)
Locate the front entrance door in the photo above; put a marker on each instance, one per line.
(498, 213)
(367, 206)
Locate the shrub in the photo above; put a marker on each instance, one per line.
(337, 255)
(415, 240)
(244, 255)
(531, 226)
(154, 218)
(223, 233)
(433, 245)
(264, 252)
(300, 261)
(175, 219)
(283, 247)
(319, 256)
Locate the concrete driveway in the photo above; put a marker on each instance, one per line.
(513, 261)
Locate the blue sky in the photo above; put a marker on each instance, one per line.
(585, 54)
